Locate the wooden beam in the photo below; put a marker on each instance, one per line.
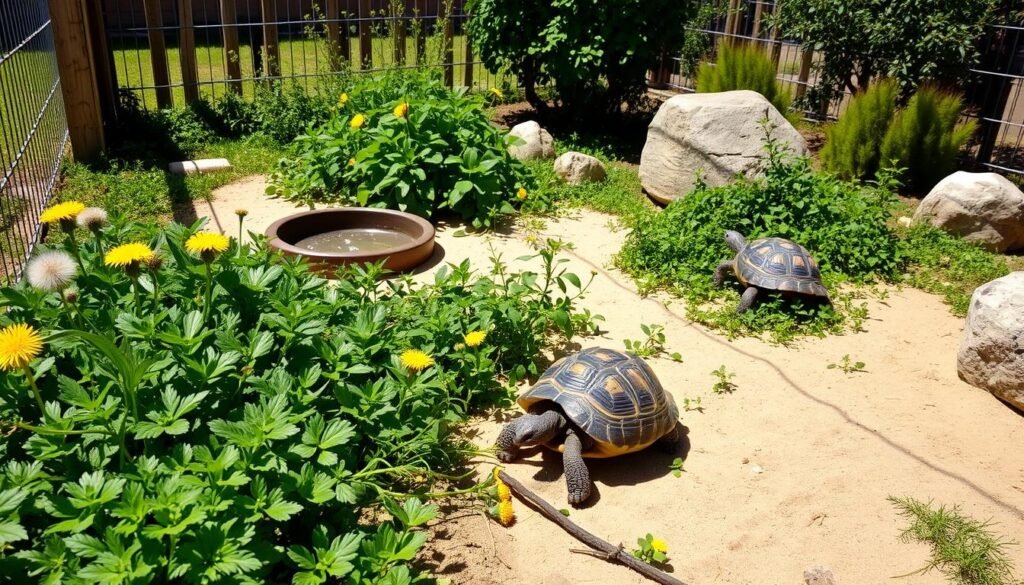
(398, 20)
(758, 15)
(449, 50)
(332, 13)
(187, 51)
(232, 56)
(468, 77)
(774, 37)
(73, 49)
(158, 52)
(365, 36)
(805, 72)
(103, 59)
(271, 50)
(421, 31)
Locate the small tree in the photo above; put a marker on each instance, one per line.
(595, 52)
(907, 40)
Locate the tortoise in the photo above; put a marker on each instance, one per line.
(595, 403)
(770, 264)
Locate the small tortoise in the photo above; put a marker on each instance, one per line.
(594, 403)
(770, 264)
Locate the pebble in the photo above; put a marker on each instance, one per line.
(819, 576)
(757, 469)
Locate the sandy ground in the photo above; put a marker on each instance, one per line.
(790, 471)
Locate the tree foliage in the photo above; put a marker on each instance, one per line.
(907, 40)
(596, 53)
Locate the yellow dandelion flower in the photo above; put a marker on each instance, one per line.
(207, 243)
(343, 98)
(416, 360)
(401, 110)
(19, 345)
(659, 545)
(521, 194)
(66, 211)
(475, 338)
(357, 121)
(497, 93)
(128, 254)
(531, 239)
(506, 515)
(504, 492)
(351, 162)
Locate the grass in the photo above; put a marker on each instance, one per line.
(965, 550)
(145, 191)
(299, 56)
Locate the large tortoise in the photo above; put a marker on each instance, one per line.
(594, 403)
(770, 264)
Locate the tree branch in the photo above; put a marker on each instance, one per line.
(605, 550)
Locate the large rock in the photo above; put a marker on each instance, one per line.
(984, 208)
(576, 168)
(718, 135)
(539, 143)
(992, 349)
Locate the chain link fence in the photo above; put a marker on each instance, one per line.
(33, 128)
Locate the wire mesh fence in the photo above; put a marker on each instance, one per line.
(171, 52)
(993, 92)
(33, 128)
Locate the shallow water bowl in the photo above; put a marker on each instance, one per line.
(354, 235)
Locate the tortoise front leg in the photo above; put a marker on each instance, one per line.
(577, 476)
(747, 300)
(723, 269)
(670, 442)
(508, 450)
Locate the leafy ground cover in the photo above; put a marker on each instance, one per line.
(176, 408)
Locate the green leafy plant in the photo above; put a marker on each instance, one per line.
(651, 550)
(677, 466)
(589, 50)
(406, 142)
(847, 365)
(926, 137)
(723, 381)
(843, 224)
(908, 40)
(653, 344)
(965, 550)
(249, 433)
(741, 66)
(853, 145)
(691, 404)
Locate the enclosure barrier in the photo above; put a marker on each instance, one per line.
(33, 128)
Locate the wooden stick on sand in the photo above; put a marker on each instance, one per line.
(602, 549)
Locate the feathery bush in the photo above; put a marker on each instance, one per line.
(743, 67)
(853, 144)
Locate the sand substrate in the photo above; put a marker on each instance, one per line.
(789, 471)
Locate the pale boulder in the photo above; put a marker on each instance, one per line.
(576, 168)
(538, 142)
(991, 353)
(984, 208)
(716, 135)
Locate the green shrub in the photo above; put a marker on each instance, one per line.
(853, 144)
(439, 154)
(925, 137)
(743, 67)
(842, 224)
(229, 419)
(596, 53)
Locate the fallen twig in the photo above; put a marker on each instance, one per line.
(603, 549)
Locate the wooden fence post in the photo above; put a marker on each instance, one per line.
(232, 57)
(187, 51)
(103, 59)
(76, 65)
(399, 34)
(158, 52)
(730, 20)
(421, 36)
(332, 14)
(805, 72)
(272, 52)
(774, 37)
(449, 49)
(758, 14)
(468, 77)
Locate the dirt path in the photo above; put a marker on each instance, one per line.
(789, 471)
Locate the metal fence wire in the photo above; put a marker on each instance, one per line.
(172, 52)
(33, 128)
(993, 92)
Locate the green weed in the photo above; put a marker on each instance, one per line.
(653, 343)
(723, 381)
(847, 365)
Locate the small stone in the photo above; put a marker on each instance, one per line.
(538, 142)
(819, 576)
(577, 168)
(746, 460)
(199, 166)
(905, 221)
(756, 469)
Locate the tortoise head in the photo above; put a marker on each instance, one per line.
(735, 240)
(537, 429)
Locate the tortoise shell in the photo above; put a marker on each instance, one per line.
(779, 264)
(612, 396)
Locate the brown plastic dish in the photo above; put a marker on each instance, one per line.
(285, 232)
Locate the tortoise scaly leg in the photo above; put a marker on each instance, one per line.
(670, 442)
(724, 269)
(577, 476)
(747, 300)
(508, 450)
